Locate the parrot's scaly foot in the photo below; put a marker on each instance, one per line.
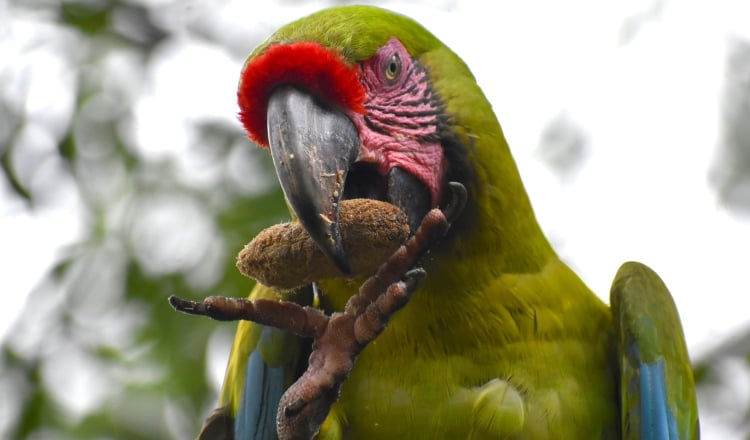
(305, 405)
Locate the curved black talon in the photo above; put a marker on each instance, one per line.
(457, 201)
(294, 408)
(413, 278)
(185, 306)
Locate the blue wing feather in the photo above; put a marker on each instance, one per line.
(264, 385)
(657, 420)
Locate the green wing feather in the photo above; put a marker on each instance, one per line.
(657, 386)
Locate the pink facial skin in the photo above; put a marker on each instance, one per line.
(399, 125)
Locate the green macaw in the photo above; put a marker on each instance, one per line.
(502, 339)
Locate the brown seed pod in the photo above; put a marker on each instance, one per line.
(285, 257)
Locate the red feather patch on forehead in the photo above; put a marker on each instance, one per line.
(320, 71)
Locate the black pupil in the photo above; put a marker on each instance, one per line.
(393, 66)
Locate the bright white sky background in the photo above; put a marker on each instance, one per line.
(648, 108)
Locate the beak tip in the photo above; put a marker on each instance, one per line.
(336, 251)
(341, 262)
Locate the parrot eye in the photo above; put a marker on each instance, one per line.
(393, 68)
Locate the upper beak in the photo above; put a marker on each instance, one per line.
(313, 146)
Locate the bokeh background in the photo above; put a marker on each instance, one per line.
(126, 178)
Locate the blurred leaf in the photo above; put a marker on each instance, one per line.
(731, 172)
(90, 17)
(633, 24)
(10, 175)
(563, 146)
(67, 148)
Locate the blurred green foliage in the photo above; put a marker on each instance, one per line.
(99, 353)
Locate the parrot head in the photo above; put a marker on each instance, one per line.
(359, 102)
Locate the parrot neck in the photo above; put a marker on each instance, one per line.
(498, 232)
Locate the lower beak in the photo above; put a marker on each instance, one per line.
(313, 146)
